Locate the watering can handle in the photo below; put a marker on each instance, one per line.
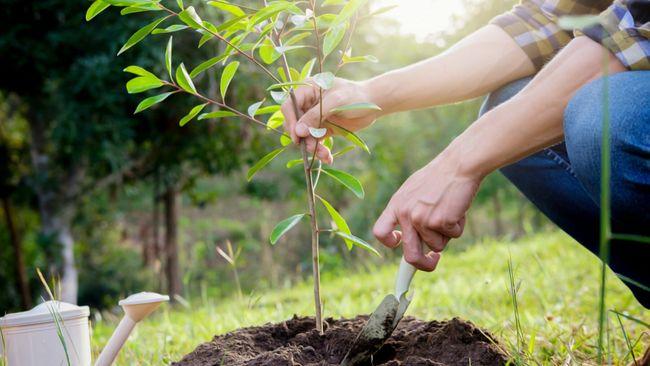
(404, 276)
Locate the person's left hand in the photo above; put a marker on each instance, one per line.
(430, 209)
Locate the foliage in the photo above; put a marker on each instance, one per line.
(273, 32)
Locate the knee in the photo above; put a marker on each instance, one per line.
(503, 94)
(627, 100)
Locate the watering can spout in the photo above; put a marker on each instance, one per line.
(136, 307)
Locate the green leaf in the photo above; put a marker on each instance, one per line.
(216, 114)
(142, 83)
(137, 70)
(276, 120)
(95, 8)
(140, 34)
(297, 38)
(324, 80)
(180, 4)
(127, 2)
(206, 37)
(188, 117)
(171, 29)
(343, 151)
(350, 136)
(333, 2)
(252, 109)
(268, 53)
(333, 37)
(267, 110)
(168, 58)
(341, 225)
(273, 9)
(383, 10)
(263, 162)
(356, 106)
(285, 140)
(139, 9)
(279, 96)
(346, 59)
(283, 226)
(206, 65)
(184, 80)
(190, 17)
(226, 6)
(228, 73)
(306, 70)
(286, 85)
(348, 10)
(358, 242)
(347, 179)
(294, 162)
(146, 103)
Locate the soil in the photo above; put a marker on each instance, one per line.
(295, 342)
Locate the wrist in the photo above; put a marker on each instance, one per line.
(465, 160)
(379, 91)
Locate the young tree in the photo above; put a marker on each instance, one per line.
(264, 36)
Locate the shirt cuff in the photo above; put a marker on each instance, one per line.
(535, 31)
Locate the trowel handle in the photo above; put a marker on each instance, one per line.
(404, 276)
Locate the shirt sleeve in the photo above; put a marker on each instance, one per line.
(535, 31)
(624, 29)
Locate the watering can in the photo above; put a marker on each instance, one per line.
(57, 333)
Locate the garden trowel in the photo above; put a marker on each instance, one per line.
(383, 321)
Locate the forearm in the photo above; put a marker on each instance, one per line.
(478, 64)
(532, 120)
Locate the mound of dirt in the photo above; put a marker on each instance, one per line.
(295, 342)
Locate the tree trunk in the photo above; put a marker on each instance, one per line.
(56, 206)
(22, 285)
(171, 242)
(496, 206)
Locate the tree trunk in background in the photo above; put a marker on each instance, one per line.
(155, 232)
(22, 285)
(56, 206)
(171, 242)
(496, 207)
(521, 218)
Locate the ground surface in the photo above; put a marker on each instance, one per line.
(557, 301)
(296, 342)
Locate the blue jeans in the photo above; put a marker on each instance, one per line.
(563, 181)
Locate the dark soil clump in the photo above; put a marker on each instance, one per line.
(295, 342)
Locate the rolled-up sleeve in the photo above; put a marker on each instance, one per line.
(536, 31)
(624, 29)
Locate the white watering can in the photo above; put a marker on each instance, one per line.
(32, 338)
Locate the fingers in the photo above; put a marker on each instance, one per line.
(413, 251)
(304, 98)
(384, 229)
(312, 118)
(322, 153)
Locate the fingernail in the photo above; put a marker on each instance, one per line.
(302, 130)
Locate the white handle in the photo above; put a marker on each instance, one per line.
(404, 276)
(116, 342)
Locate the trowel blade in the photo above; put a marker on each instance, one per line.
(380, 326)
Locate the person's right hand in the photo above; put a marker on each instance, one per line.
(343, 92)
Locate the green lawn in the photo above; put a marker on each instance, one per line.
(557, 296)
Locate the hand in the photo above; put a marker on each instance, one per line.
(430, 209)
(343, 92)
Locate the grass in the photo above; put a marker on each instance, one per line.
(557, 296)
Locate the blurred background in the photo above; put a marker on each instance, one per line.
(122, 203)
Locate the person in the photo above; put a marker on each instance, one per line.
(541, 125)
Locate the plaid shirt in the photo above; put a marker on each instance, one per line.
(624, 28)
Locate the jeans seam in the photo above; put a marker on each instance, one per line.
(561, 162)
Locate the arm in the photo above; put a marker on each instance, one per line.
(430, 206)
(479, 63)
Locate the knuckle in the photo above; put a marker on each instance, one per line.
(411, 258)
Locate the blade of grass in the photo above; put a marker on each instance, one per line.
(627, 341)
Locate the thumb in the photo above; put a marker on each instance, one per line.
(313, 118)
